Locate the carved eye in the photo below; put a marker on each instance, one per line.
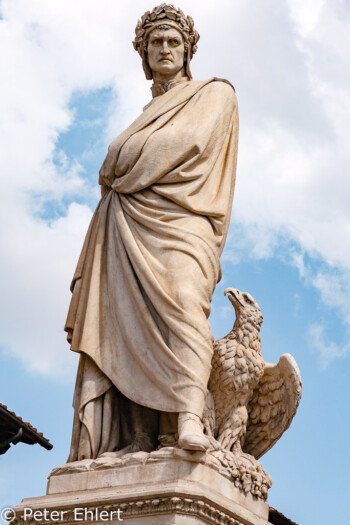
(247, 300)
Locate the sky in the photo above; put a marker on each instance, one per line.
(70, 82)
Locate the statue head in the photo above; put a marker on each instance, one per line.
(165, 22)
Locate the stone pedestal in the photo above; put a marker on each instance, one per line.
(169, 486)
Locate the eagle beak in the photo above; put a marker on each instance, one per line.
(234, 296)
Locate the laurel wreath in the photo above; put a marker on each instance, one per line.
(165, 12)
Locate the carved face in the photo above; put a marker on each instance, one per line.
(166, 52)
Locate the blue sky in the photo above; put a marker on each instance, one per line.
(71, 82)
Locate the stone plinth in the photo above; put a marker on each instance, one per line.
(169, 486)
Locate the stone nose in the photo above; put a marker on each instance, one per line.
(165, 49)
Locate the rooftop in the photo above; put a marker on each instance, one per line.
(14, 430)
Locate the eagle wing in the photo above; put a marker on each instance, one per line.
(273, 405)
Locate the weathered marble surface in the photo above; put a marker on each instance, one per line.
(243, 472)
(164, 487)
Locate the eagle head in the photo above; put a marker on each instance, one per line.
(245, 306)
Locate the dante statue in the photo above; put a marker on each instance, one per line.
(143, 285)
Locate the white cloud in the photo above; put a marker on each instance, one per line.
(289, 62)
(293, 175)
(306, 14)
(36, 270)
(327, 350)
(334, 287)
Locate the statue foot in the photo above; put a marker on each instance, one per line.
(191, 435)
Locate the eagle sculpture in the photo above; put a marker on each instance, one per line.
(250, 403)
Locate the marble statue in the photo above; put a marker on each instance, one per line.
(250, 403)
(150, 260)
(144, 281)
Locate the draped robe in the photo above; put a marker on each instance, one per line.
(150, 262)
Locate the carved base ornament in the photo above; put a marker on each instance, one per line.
(167, 486)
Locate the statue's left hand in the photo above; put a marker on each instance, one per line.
(104, 190)
(107, 170)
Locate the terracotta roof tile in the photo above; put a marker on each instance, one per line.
(9, 420)
(277, 518)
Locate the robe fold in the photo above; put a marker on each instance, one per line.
(150, 261)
